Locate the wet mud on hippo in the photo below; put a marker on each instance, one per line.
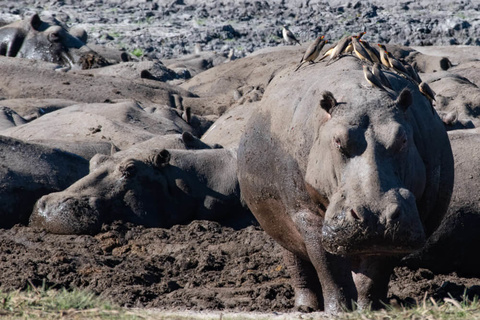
(346, 177)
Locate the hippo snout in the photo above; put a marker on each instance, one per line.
(66, 215)
(388, 226)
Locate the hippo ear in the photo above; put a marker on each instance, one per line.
(328, 101)
(188, 138)
(404, 99)
(162, 158)
(35, 21)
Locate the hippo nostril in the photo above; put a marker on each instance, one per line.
(354, 214)
(394, 214)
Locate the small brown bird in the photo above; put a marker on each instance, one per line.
(372, 52)
(396, 64)
(312, 51)
(359, 50)
(371, 78)
(377, 71)
(288, 35)
(427, 91)
(411, 71)
(383, 55)
(339, 48)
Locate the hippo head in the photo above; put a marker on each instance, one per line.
(129, 189)
(50, 41)
(366, 175)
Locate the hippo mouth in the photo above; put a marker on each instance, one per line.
(367, 242)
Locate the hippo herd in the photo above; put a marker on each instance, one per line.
(350, 179)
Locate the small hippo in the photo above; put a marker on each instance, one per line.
(152, 187)
(34, 38)
(347, 177)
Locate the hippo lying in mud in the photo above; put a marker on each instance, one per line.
(29, 171)
(152, 187)
(347, 177)
(34, 38)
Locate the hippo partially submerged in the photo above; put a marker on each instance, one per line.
(152, 187)
(348, 178)
(48, 40)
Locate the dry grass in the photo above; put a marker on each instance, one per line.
(42, 303)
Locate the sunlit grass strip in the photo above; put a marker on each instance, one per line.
(58, 304)
(428, 309)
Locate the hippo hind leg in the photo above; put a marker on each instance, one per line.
(308, 291)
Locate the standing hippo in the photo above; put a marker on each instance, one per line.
(48, 41)
(347, 177)
(152, 187)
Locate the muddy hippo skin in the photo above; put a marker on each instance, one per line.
(33, 38)
(346, 177)
(29, 171)
(453, 247)
(155, 188)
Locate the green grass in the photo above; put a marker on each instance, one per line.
(44, 303)
(137, 52)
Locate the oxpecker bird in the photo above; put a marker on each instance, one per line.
(396, 64)
(371, 78)
(372, 52)
(377, 71)
(339, 48)
(288, 35)
(427, 91)
(312, 51)
(383, 56)
(360, 51)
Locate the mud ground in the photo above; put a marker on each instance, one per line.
(199, 266)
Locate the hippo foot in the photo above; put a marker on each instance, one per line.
(306, 300)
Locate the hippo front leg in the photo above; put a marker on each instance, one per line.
(308, 291)
(333, 271)
(371, 276)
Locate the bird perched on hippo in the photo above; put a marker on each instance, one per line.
(48, 40)
(348, 178)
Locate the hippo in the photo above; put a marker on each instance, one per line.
(453, 247)
(48, 40)
(347, 177)
(29, 171)
(150, 187)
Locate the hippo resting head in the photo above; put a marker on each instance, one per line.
(156, 188)
(48, 41)
(375, 174)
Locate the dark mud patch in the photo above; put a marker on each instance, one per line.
(199, 266)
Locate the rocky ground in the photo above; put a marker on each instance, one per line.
(166, 29)
(202, 265)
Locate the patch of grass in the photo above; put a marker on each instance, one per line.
(43, 303)
(449, 309)
(137, 52)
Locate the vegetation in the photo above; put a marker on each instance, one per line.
(137, 52)
(43, 303)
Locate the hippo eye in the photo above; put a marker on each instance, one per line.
(128, 169)
(337, 142)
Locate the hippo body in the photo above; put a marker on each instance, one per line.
(29, 171)
(453, 247)
(48, 40)
(151, 187)
(346, 177)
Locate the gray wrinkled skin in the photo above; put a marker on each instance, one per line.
(29, 171)
(48, 41)
(349, 192)
(152, 187)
